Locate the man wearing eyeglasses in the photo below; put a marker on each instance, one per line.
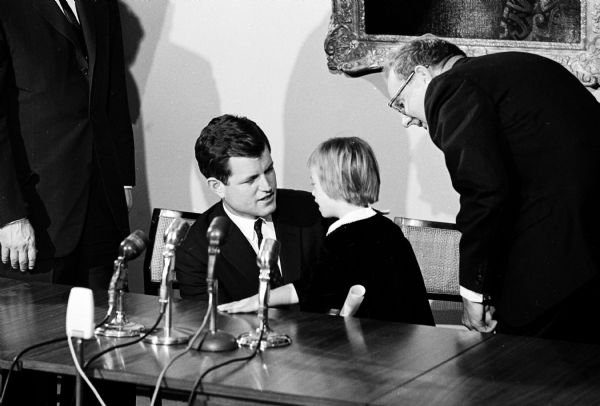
(520, 139)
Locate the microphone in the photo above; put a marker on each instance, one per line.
(169, 335)
(217, 230)
(263, 336)
(132, 246)
(176, 233)
(80, 313)
(80, 325)
(215, 340)
(174, 236)
(268, 254)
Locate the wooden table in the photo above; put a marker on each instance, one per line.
(332, 361)
(509, 370)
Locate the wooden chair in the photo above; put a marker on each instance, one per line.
(435, 245)
(153, 262)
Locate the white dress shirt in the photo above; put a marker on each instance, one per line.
(246, 226)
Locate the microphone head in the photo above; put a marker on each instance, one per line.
(217, 230)
(268, 254)
(132, 246)
(176, 232)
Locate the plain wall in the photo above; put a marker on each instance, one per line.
(192, 60)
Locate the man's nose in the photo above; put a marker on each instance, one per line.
(264, 184)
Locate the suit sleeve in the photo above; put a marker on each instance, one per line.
(464, 125)
(12, 205)
(118, 100)
(191, 264)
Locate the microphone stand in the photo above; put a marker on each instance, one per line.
(119, 326)
(168, 335)
(215, 340)
(270, 339)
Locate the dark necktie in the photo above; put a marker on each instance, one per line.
(275, 278)
(70, 16)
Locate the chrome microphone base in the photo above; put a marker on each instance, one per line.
(118, 330)
(172, 336)
(217, 341)
(270, 339)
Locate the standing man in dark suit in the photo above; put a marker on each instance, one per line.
(66, 154)
(234, 155)
(66, 144)
(520, 138)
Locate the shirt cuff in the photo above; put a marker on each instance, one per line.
(470, 295)
(293, 294)
(128, 187)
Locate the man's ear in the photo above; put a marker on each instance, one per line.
(216, 186)
(423, 73)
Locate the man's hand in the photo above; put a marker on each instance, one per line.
(478, 317)
(247, 305)
(18, 245)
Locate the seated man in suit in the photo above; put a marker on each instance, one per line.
(234, 155)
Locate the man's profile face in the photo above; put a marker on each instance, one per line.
(411, 98)
(251, 188)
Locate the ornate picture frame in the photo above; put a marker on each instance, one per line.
(354, 52)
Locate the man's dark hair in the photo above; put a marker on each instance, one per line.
(224, 137)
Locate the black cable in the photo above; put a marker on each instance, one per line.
(193, 393)
(27, 349)
(104, 320)
(192, 396)
(114, 347)
(188, 348)
(19, 355)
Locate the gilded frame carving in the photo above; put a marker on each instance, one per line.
(353, 52)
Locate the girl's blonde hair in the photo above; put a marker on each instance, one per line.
(347, 170)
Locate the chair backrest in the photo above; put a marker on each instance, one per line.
(153, 263)
(435, 245)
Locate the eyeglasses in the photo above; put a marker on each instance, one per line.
(400, 106)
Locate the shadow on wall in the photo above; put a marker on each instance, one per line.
(133, 33)
(322, 105)
(180, 98)
(172, 96)
(433, 178)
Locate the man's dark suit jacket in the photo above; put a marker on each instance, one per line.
(59, 115)
(521, 142)
(299, 227)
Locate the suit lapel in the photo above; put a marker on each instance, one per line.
(86, 10)
(290, 254)
(236, 249)
(53, 14)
